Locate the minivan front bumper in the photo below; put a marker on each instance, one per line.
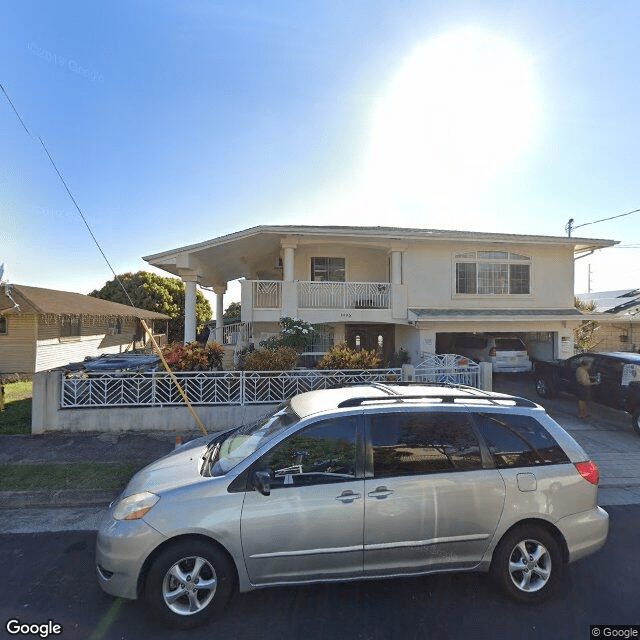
(121, 549)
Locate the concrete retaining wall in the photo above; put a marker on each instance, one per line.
(47, 415)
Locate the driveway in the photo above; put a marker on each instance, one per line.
(607, 436)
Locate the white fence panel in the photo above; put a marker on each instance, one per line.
(245, 387)
(448, 368)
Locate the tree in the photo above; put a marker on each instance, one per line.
(156, 293)
(585, 336)
(231, 314)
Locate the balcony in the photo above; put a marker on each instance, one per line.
(267, 294)
(318, 302)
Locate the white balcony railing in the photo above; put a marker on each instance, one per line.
(236, 333)
(267, 294)
(344, 295)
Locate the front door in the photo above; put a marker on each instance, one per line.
(373, 337)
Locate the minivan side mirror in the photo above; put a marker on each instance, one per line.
(261, 482)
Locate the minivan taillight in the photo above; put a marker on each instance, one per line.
(589, 471)
(492, 352)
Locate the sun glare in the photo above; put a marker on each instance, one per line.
(459, 109)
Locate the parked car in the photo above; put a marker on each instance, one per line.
(370, 481)
(122, 362)
(506, 354)
(616, 374)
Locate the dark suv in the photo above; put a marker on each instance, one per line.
(617, 378)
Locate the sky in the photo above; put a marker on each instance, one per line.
(176, 122)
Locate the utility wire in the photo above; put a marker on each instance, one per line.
(14, 109)
(86, 224)
(621, 215)
(126, 293)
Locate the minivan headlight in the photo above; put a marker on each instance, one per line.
(136, 506)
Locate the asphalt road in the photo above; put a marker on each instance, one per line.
(50, 576)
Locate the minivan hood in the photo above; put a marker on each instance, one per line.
(179, 468)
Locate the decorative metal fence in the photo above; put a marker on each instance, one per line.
(244, 387)
(207, 387)
(448, 368)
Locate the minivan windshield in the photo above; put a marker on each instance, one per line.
(240, 443)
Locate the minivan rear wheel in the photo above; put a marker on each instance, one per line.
(527, 564)
(189, 583)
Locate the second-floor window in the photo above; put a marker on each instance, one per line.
(492, 273)
(327, 270)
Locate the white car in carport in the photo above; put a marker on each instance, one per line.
(506, 354)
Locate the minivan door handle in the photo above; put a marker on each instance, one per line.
(348, 496)
(380, 492)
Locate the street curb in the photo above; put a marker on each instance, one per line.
(57, 498)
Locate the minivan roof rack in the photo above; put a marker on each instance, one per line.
(494, 399)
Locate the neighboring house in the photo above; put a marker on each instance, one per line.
(43, 328)
(618, 315)
(391, 288)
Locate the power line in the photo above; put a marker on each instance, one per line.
(126, 293)
(14, 109)
(570, 226)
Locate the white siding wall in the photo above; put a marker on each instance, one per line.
(54, 351)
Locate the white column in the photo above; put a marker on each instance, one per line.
(220, 291)
(289, 286)
(189, 310)
(288, 247)
(396, 267)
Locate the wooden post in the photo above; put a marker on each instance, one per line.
(192, 411)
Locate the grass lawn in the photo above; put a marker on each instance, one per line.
(16, 417)
(79, 475)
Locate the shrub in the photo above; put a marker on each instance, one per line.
(294, 333)
(193, 356)
(278, 359)
(341, 356)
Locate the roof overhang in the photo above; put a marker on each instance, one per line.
(494, 315)
(255, 251)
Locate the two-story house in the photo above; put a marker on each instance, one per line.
(391, 288)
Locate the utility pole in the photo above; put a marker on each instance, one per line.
(569, 227)
(589, 279)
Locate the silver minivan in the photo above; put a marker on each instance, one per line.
(368, 481)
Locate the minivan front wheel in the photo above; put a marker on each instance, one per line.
(527, 564)
(189, 583)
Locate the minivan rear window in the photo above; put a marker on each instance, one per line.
(510, 344)
(518, 441)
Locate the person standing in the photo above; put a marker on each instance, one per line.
(585, 383)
